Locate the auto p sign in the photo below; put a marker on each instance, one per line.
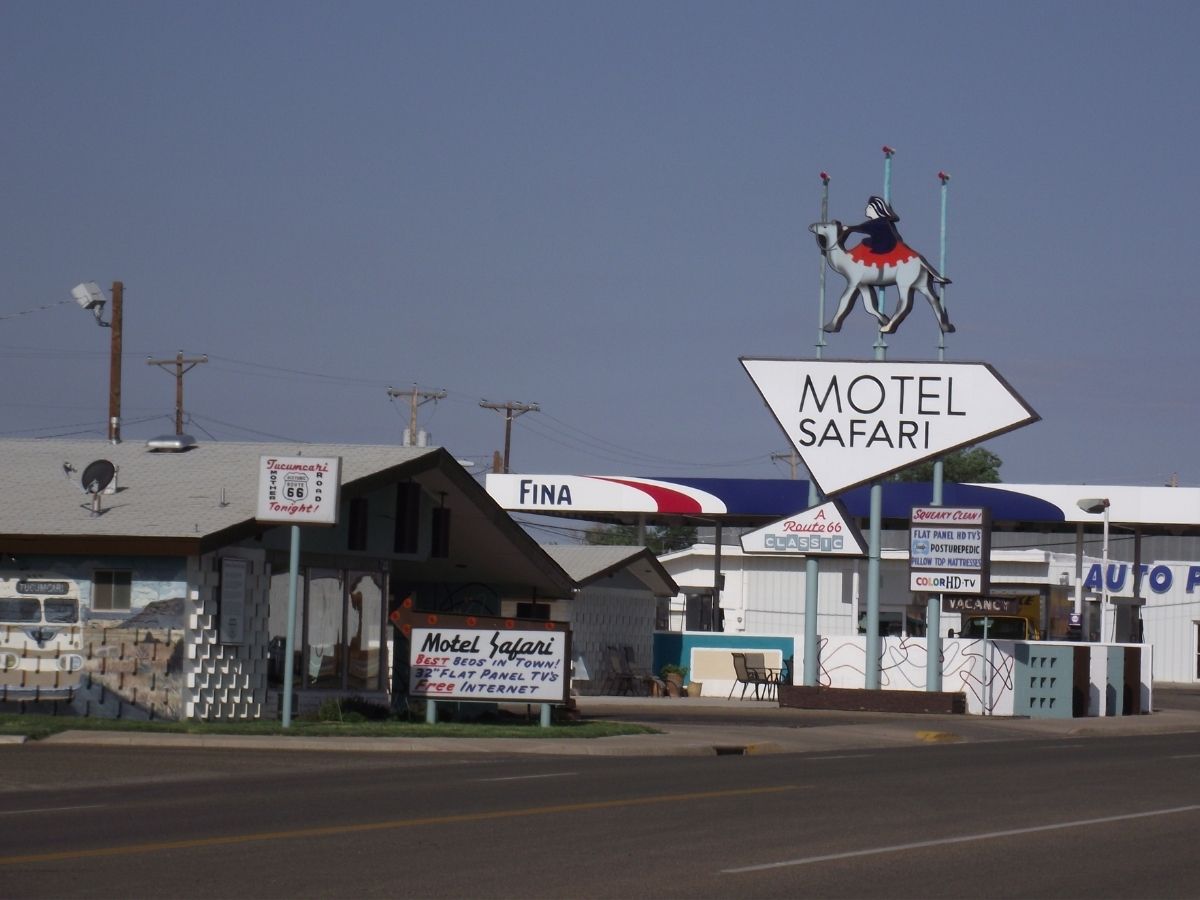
(853, 422)
(824, 530)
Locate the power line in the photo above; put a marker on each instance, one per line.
(267, 434)
(26, 312)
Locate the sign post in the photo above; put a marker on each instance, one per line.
(295, 490)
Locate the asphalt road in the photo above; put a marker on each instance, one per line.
(1112, 817)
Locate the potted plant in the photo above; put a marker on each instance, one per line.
(673, 674)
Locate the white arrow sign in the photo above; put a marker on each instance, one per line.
(852, 422)
(824, 530)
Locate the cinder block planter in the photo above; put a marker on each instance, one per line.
(800, 697)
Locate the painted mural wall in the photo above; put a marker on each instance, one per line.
(105, 635)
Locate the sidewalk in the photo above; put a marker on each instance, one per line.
(700, 727)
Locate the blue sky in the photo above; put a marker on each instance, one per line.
(597, 208)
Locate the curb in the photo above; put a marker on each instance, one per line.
(12, 739)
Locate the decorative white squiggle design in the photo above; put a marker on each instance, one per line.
(902, 666)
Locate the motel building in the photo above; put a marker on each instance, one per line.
(1119, 619)
(137, 580)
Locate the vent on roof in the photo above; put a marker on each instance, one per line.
(171, 443)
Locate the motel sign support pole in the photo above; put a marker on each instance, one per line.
(876, 539)
(933, 607)
(812, 567)
(289, 673)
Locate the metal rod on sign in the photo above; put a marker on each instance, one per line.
(933, 608)
(945, 180)
(812, 568)
(821, 342)
(876, 527)
(888, 153)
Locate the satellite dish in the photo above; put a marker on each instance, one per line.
(97, 476)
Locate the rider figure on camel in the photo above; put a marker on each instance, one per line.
(883, 244)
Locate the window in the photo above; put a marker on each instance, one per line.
(356, 538)
(61, 611)
(20, 610)
(341, 635)
(324, 653)
(533, 611)
(111, 589)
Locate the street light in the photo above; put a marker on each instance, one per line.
(89, 297)
(1095, 505)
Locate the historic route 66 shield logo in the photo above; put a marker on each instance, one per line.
(295, 486)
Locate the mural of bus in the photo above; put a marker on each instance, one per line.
(41, 639)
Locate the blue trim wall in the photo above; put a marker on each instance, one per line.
(676, 647)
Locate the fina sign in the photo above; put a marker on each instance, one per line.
(824, 530)
(949, 550)
(853, 422)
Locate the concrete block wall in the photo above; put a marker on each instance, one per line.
(130, 673)
(601, 618)
(224, 681)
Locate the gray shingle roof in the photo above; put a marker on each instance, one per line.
(183, 495)
(588, 562)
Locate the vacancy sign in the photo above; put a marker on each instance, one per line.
(298, 490)
(824, 530)
(853, 422)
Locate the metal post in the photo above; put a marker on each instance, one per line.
(888, 153)
(873, 553)
(945, 180)
(811, 603)
(717, 569)
(289, 673)
(1079, 575)
(876, 531)
(821, 342)
(933, 605)
(114, 365)
(430, 712)
(544, 720)
(987, 669)
(812, 567)
(1105, 612)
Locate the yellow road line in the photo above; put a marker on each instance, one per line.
(331, 830)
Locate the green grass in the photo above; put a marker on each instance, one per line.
(36, 727)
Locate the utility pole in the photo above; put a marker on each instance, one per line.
(114, 365)
(416, 399)
(182, 365)
(793, 459)
(511, 411)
